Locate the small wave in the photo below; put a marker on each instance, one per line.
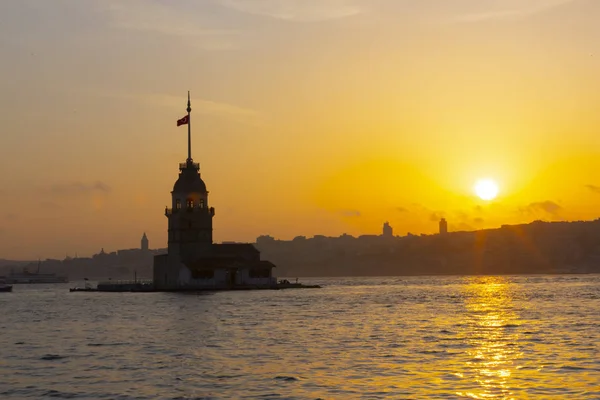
(286, 378)
(84, 377)
(19, 342)
(528, 368)
(431, 351)
(99, 368)
(222, 377)
(50, 357)
(61, 395)
(572, 368)
(130, 368)
(105, 344)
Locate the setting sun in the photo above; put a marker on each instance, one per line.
(486, 189)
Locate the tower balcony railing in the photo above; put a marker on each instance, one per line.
(197, 208)
(190, 164)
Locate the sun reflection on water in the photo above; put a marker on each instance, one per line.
(491, 321)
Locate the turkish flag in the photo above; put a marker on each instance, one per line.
(183, 121)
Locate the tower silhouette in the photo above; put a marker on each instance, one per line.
(144, 243)
(193, 261)
(190, 218)
(443, 226)
(387, 230)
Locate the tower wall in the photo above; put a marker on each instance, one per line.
(190, 232)
(190, 218)
(167, 268)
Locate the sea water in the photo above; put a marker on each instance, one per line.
(365, 338)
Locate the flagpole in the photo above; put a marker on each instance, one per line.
(189, 124)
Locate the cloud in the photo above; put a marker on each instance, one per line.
(200, 106)
(462, 216)
(402, 209)
(593, 188)
(548, 207)
(11, 217)
(350, 213)
(509, 9)
(296, 10)
(49, 205)
(436, 216)
(208, 107)
(166, 19)
(478, 220)
(77, 188)
(464, 227)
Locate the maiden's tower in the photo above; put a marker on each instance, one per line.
(193, 261)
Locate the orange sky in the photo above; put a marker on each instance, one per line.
(309, 117)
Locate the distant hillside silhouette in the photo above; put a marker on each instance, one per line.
(534, 248)
(120, 264)
(538, 247)
(4, 263)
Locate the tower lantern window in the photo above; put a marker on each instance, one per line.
(178, 204)
(190, 203)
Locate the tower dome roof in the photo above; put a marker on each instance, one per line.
(189, 181)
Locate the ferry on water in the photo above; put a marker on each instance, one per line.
(4, 287)
(34, 277)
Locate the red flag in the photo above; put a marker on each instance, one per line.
(183, 121)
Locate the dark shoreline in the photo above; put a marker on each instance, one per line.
(140, 289)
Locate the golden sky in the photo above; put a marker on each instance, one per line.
(309, 116)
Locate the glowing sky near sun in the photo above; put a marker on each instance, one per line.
(309, 117)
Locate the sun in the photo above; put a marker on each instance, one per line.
(486, 189)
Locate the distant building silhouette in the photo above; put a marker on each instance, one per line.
(264, 239)
(443, 226)
(144, 244)
(388, 231)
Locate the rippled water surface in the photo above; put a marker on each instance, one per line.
(373, 338)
